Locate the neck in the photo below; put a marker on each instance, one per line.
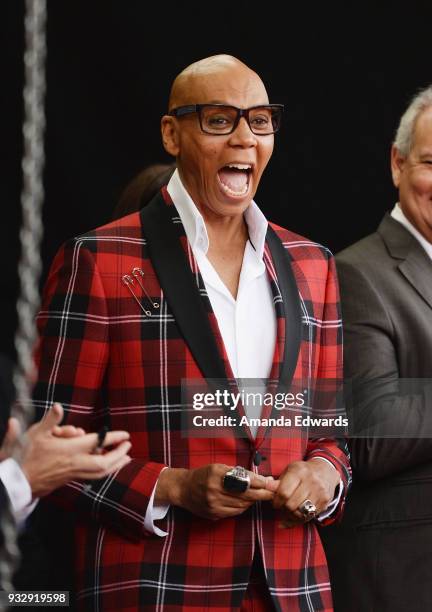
(226, 230)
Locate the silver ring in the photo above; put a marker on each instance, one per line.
(308, 509)
(236, 480)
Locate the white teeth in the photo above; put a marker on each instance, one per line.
(240, 166)
(234, 193)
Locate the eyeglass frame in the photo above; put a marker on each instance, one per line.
(182, 111)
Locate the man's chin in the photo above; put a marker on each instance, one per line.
(224, 208)
(230, 206)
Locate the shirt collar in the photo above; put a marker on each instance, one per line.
(194, 224)
(398, 215)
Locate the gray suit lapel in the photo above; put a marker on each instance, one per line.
(417, 269)
(415, 266)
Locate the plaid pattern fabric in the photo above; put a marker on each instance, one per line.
(109, 363)
(257, 597)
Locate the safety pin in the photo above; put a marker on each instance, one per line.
(136, 273)
(128, 281)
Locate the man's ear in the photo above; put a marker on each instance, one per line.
(170, 137)
(397, 164)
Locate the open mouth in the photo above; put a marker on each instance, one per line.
(234, 179)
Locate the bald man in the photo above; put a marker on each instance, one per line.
(198, 285)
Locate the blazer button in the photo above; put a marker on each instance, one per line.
(258, 458)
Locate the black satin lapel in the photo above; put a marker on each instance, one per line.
(291, 305)
(179, 286)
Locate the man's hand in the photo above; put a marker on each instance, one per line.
(54, 455)
(315, 480)
(201, 492)
(67, 431)
(13, 431)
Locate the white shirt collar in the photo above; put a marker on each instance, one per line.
(194, 223)
(398, 215)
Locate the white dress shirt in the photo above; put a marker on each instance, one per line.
(398, 215)
(18, 489)
(248, 322)
(250, 354)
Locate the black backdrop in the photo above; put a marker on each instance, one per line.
(344, 71)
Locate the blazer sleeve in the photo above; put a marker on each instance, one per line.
(371, 369)
(330, 369)
(72, 357)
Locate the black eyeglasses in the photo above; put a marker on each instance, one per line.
(221, 119)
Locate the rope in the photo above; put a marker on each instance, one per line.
(30, 264)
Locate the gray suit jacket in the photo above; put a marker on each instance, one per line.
(386, 535)
(386, 293)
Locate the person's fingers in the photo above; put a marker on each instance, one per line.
(217, 471)
(52, 418)
(301, 494)
(250, 495)
(226, 507)
(58, 412)
(272, 484)
(112, 438)
(115, 437)
(231, 501)
(254, 495)
(228, 512)
(88, 443)
(115, 467)
(120, 464)
(287, 485)
(96, 464)
(257, 481)
(112, 457)
(84, 444)
(67, 431)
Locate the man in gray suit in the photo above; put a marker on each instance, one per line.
(380, 557)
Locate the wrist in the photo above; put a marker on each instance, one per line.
(327, 470)
(170, 485)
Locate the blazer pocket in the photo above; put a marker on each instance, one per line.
(395, 524)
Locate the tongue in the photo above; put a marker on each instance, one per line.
(236, 180)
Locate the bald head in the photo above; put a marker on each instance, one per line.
(211, 164)
(197, 81)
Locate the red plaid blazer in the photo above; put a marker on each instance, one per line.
(109, 363)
